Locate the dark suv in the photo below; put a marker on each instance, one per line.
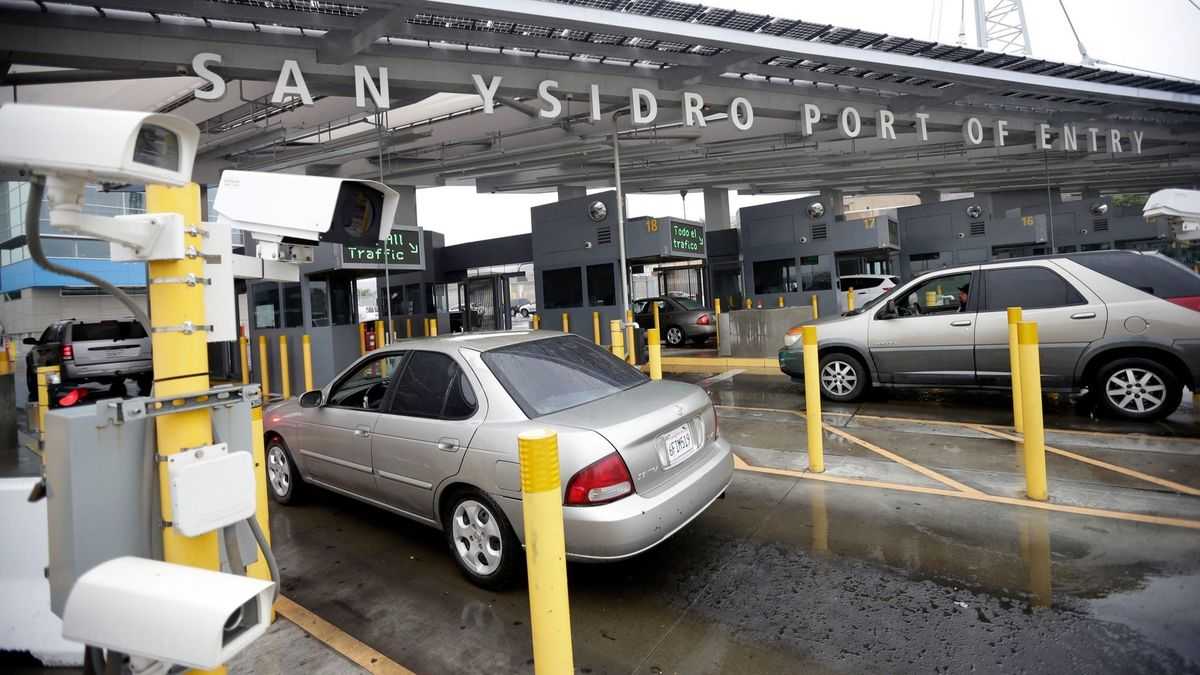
(107, 352)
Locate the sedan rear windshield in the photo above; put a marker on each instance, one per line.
(107, 330)
(546, 376)
(1153, 274)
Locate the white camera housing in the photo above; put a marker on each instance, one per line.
(101, 146)
(166, 612)
(295, 209)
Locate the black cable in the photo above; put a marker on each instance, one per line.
(37, 189)
(272, 566)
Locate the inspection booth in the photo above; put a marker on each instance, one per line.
(725, 267)
(1001, 225)
(324, 303)
(487, 283)
(799, 248)
(576, 257)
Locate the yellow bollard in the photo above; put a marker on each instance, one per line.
(1031, 403)
(244, 348)
(932, 298)
(812, 401)
(654, 354)
(566, 323)
(264, 373)
(749, 303)
(850, 299)
(285, 373)
(596, 327)
(536, 320)
(433, 326)
(362, 342)
(717, 320)
(545, 553)
(43, 396)
(630, 350)
(1014, 366)
(408, 327)
(816, 308)
(306, 348)
(657, 325)
(781, 302)
(379, 334)
(618, 339)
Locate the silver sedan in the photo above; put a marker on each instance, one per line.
(428, 429)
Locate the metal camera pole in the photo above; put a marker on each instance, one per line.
(387, 275)
(620, 215)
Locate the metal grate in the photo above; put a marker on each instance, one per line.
(820, 231)
(1100, 225)
(978, 228)
(603, 235)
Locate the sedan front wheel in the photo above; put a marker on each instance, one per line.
(843, 377)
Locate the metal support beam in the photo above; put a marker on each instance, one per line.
(341, 45)
(716, 209)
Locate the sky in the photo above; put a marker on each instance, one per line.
(1159, 35)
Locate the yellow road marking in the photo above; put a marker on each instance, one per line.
(919, 468)
(980, 497)
(1169, 484)
(338, 640)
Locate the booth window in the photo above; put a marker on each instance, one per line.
(920, 262)
(266, 305)
(563, 287)
(293, 307)
(601, 285)
(775, 276)
(318, 298)
(813, 276)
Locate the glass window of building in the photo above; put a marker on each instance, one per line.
(293, 308)
(318, 298)
(775, 276)
(266, 306)
(814, 276)
(601, 285)
(563, 287)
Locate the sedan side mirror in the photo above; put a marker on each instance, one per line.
(889, 311)
(32, 341)
(311, 399)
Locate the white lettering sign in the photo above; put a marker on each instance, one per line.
(741, 113)
(290, 72)
(849, 122)
(216, 83)
(363, 82)
(972, 131)
(693, 110)
(638, 96)
(553, 105)
(487, 92)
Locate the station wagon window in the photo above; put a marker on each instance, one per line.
(813, 277)
(364, 388)
(562, 288)
(936, 296)
(601, 285)
(775, 276)
(1027, 288)
(432, 385)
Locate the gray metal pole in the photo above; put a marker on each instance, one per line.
(387, 274)
(620, 220)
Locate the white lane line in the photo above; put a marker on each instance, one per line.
(729, 374)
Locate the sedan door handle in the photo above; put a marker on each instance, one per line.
(1084, 315)
(362, 432)
(447, 444)
(960, 323)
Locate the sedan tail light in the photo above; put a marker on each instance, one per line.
(704, 320)
(603, 481)
(1190, 301)
(68, 352)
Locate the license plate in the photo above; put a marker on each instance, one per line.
(679, 444)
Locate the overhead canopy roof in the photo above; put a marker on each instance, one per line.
(778, 64)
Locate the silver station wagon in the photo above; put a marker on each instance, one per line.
(428, 429)
(1123, 326)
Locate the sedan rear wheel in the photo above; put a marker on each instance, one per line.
(675, 336)
(482, 541)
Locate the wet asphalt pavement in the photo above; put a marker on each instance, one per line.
(793, 575)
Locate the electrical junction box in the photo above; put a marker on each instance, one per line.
(210, 488)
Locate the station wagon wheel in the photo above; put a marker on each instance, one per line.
(1138, 388)
(674, 336)
(483, 543)
(843, 377)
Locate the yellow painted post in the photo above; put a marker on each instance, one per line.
(1031, 402)
(180, 358)
(306, 348)
(932, 298)
(816, 308)
(749, 303)
(781, 301)
(537, 322)
(408, 327)
(379, 334)
(545, 553)
(850, 299)
(244, 349)
(10, 349)
(285, 373)
(657, 325)
(264, 372)
(812, 400)
(1014, 366)
(43, 396)
(618, 339)
(362, 340)
(433, 326)
(630, 350)
(716, 320)
(566, 323)
(654, 354)
(596, 327)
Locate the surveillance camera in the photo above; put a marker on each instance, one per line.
(103, 146)
(166, 612)
(803, 239)
(294, 209)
